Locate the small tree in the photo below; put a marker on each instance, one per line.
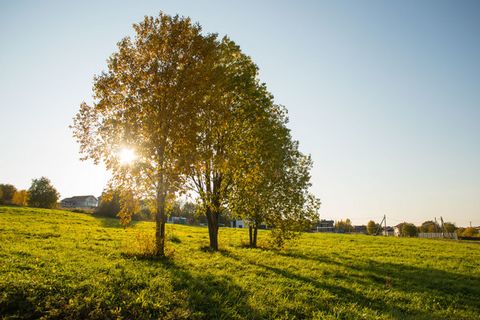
(408, 230)
(20, 198)
(469, 232)
(109, 205)
(6, 193)
(430, 227)
(449, 227)
(371, 227)
(42, 194)
(344, 226)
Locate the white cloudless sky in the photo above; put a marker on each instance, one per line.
(384, 95)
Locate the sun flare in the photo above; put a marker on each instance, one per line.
(126, 156)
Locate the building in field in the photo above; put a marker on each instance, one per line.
(360, 229)
(177, 220)
(389, 231)
(83, 202)
(325, 226)
(238, 224)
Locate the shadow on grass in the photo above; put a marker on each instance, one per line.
(113, 222)
(210, 250)
(403, 277)
(209, 296)
(449, 290)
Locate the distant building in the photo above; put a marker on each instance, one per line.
(397, 230)
(238, 224)
(177, 220)
(360, 229)
(325, 226)
(84, 202)
(389, 231)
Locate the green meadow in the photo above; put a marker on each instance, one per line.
(59, 264)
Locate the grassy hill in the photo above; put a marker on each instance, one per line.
(58, 264)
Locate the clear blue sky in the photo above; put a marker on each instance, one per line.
(385, 95)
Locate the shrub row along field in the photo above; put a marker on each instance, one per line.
(59, 264)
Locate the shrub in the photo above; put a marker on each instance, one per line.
(409, 230)
(6, 193)
(42, 194)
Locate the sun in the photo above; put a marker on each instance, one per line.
(126, 155)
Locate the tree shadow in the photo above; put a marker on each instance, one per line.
(440, 285)
(405, 277)
(113, 222)
(210, 296)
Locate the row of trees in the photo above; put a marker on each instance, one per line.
(41, 194)
(406, 229)
(192, 108)
(410, 230)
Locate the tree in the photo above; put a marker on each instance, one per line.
(20, 198)
(371, 227)
(7, 191)
(109, 205)
(408, 230)
(42, 194)
(469, 232)
(449, 227)
(272, 177)
(430, 227)
(232, 96)
(148, 100)
(344, 226)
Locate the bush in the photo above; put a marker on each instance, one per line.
(20, 198)
(409, 230)
(6, 193)
(469, 232)
(42, 194)
(109, 205)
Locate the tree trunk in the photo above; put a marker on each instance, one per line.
(212, 219)
(160, 227)
(250, 235)
(252, 232)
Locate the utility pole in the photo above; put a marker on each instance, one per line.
(380, 225)
(385, 224)
(436, 224)
(443, 227)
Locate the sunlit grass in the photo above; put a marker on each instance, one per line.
(60, 264)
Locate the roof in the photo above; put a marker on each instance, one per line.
(79, 198)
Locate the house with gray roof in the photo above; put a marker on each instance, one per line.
(84, 202)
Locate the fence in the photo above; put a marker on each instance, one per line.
(444, 235)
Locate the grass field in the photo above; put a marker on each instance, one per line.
(58, 264)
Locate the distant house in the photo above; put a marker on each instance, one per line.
(177, 220)
(397, 230)
(389, 231)
(325, 226)
(84, 202)
(360, 229)
(238, 224)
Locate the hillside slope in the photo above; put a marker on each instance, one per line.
(59, 264)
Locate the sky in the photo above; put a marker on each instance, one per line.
(384, 95)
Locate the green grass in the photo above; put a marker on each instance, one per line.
(58, 264)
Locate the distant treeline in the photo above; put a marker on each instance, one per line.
(41, 194)
(406, 229)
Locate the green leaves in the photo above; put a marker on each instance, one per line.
(193, 109)
(42, 194)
